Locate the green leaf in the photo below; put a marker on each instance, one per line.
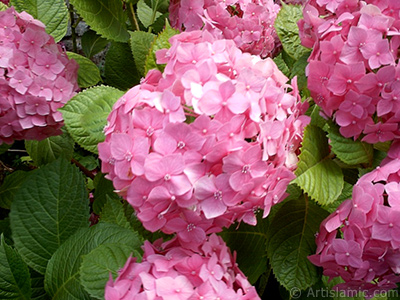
(48, 150)
(62, 279)
(298, 70)
(140, 45)
(288, 59)
(318, 176)
(346, 194)
(314, 148)
(53, 13)
(50, 206)
(4, 148)
(347, 150)
(103, 189)
(162, 5)
(354, 294)
(250, 244)
(376, 161)
(393, 294)
(323, 182)
(159, 23)
(106, 17)
(137, 225)
(281, 64)
(113, 212)
(37, 285)
(92, 43)
(161, 42)
(85, 115)
(6, 230)
(120, 67)
(262, 283)
(146, 14)
(88, 73)
(3, 6)
(350, 175)
(86, 159)
(287, 30)
(89, 161)
(294, 193)
(317, 292)
(291, 240)
(384, 146)
(159, 4)
(100, 262)
(316, 118)
(10, 186)
(15, 281)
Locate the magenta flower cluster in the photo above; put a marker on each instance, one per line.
(353, 71)
(171, 272)
(36, 78)
(360, 241)
(210, 141)
(249, 23)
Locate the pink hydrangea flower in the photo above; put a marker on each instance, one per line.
(36, 78)
(248, 23)
(171, 271)
(360, 240)
(193, 178)
(353, 68)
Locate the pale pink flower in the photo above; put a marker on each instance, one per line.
(37, 78)
(172, 271)
(174, 288)
(214, 195)
(47, 65)
(248, 24)
(355, 51)
(129, 155)
(200, 177)
(33, 40)
(360, 241)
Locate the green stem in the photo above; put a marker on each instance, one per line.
(83, 169)
(133, 16)
(73, 27)
(153, 16)
(3, 166)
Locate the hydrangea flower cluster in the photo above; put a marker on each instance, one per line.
(171, 272)
(248, 22)
(36, 78)
(353, 71)
(236, 157)
(360, 241)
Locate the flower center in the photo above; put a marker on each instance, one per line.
(181, 145)
(190, 227)
(218, 195)
(149, 131)
(245, 169)
(128, 156)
